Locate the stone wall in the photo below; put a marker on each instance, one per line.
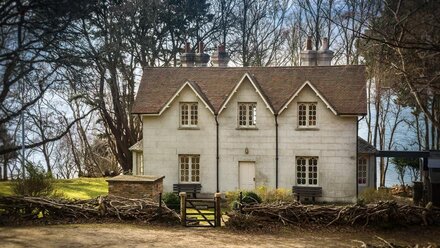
(135, 186)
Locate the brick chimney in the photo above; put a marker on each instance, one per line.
(187, 58)
(220, 58)
(308, 56)
(201, 58)
(325, 55)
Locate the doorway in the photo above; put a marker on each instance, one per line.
(246, 175)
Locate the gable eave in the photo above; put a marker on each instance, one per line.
(257, 89)
(175, 95)
(296, 93)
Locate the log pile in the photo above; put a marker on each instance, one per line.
(16, 209)
(252, 216)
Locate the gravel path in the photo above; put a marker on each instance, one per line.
(127, 235)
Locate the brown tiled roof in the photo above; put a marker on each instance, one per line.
(342, 86)
(365, 147)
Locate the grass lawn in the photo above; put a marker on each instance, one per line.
(79, 188)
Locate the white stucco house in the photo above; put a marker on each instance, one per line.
(229, 128)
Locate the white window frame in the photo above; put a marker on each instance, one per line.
(307, 171)
(191, 171)
(359, 170)
(139, 163)
(189, 115)
(307, 114)
(247, 123)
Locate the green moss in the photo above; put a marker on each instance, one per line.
(78, 188)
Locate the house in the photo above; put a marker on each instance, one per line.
(229, 128)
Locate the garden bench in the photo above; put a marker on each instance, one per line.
(190, 188)
(305, 191)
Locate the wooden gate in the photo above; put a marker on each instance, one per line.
(200, 212)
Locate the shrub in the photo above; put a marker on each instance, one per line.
(232, 197)
(37, 183)
(172, 200)
(372, 195)
(275, 195)
(250, 197)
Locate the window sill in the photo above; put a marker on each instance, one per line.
(189, 128)
(247, 128)
(308, 186)
(307, 129)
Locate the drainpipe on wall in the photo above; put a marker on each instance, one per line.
(357, 156)
(217, 151)
(276, 151)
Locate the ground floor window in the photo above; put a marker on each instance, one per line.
(362, 170)
(189, 168)
(139, 163)
(307, 170)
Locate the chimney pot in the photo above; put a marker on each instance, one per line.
(201, 58)
(187, 58)
(324, 46)
(187, 47)
(220, 58)
(325, 55)
(201, 48)
(309, 43)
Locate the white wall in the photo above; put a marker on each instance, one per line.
(234, 141)
(164, 141)
(333, 142)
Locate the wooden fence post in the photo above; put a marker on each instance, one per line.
(182, 208)
(218, 210)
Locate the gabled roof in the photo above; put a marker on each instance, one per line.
(137, 147)
(365, 147)
(257, 87)
(342, 87)
(295, 94)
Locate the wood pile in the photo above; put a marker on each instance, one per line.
(19, 208)
(297, 214)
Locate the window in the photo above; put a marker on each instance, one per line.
(362, 170)
(247, 115)
(307, 114)
(189, 167)
(139, 163)
(307, 170)
(189, 114)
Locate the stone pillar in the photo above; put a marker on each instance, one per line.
(325, 55)
(182, 208)
(308, 56)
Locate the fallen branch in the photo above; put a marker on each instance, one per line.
(380, 213)
(29, 208)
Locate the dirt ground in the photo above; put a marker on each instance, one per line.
(129, 235)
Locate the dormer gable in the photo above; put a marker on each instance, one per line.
(257, 88)
(318, 94)
(197, 91)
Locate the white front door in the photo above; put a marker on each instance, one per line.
(247, 175)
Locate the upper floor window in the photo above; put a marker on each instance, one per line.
(307, 170)
(307, 114)
(189, 114)
(189, 168)
(247, 114)
(362, 170)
